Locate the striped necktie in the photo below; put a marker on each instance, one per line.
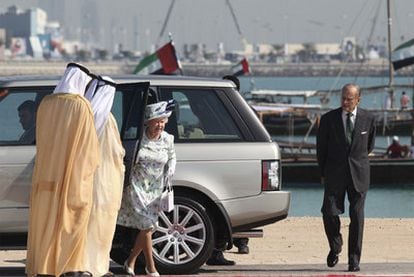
(349, 128)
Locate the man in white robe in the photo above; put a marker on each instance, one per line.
(108, 180)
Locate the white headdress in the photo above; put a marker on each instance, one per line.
(101, 94)
(74, 79)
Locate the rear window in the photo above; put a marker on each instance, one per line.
(200, 115)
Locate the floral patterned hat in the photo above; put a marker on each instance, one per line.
(159, 110)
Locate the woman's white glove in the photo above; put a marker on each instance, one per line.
(171, 167)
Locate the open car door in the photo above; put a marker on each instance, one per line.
(128, 108)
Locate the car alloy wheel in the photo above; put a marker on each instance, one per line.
(183, 239)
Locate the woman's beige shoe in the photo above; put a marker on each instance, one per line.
(128, 270)
(151, 273)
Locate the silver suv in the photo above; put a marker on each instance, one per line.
(228, 178)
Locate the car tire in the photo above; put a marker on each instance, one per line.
(184, 238)
(182, 242)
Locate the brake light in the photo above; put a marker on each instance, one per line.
(271, 175)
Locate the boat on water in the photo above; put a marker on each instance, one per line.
(282, 115)
(299, 164)
(383, 170)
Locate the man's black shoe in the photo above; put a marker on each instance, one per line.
(332, 259)
(217, 258)
(244, 249)
(353, 268)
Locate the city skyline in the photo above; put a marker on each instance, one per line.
(137, 24)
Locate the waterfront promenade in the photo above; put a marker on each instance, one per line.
(297, 247)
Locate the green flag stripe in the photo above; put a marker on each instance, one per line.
(145, 62)
(405, 45)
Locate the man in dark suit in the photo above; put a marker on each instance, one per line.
(345, 137)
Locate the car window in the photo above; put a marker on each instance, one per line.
(200, 115)
(18, 116)
(18, 127)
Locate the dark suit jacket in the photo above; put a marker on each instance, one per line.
(336, 159)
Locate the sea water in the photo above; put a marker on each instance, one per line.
(383, 201)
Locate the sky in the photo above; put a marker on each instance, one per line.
(137, 23)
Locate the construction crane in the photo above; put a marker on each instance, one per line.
(233, 14)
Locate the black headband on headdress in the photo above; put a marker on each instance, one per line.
(107, 82)
(81, 67)
(100, 79)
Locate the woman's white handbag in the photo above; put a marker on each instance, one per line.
(167, 197)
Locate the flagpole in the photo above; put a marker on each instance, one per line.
(390, 66)
(164, 25)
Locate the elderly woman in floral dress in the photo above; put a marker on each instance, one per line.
(155, 163)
